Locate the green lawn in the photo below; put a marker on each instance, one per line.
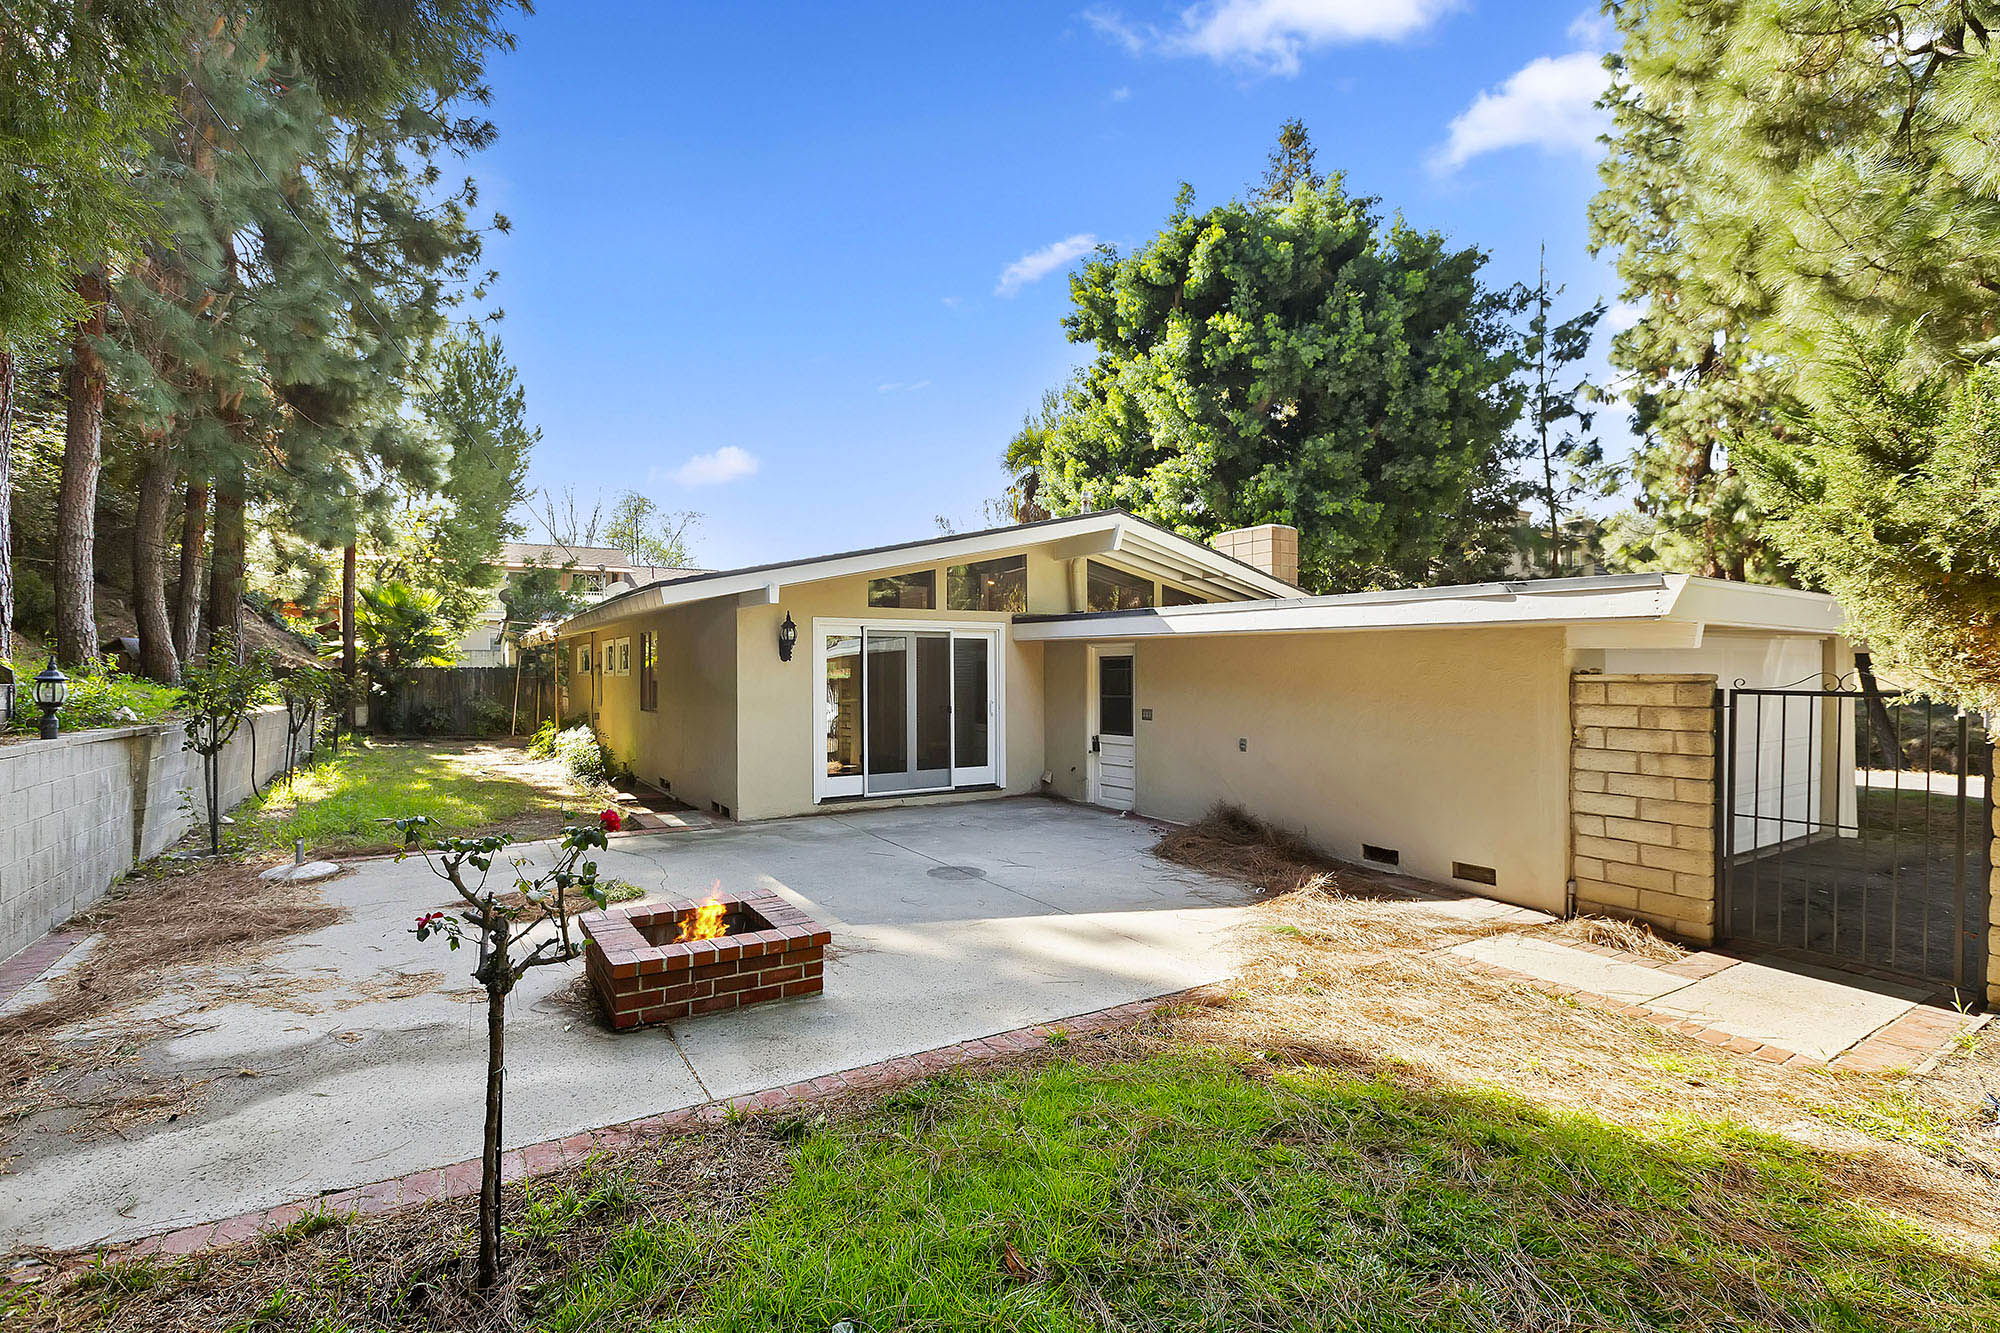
(1189, 1192)
(339, 805)
(1182, 1190)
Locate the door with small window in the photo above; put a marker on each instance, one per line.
(1113, 748)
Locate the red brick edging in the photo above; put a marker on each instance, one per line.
(461, 1179)
(32, 962)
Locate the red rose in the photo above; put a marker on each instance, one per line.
(610, 821)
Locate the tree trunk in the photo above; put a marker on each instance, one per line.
(187, 611)
(157, 658)
(1883, 725)
(6, 503)
(489, 1162)
(349, 657)
(225, 564)
(76, 499)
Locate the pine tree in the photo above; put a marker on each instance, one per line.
(1289, 166)
(1564, 458)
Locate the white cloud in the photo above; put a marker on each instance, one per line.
(1593, 29)
(1548, 103)
(1121, 94)
(1624, 315)
(897, 386)
(1038, 264)
(1270, 36)
(726, 464)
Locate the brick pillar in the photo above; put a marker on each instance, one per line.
(1642, 799)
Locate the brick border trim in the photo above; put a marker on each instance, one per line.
(33, 961)
(461, 1179)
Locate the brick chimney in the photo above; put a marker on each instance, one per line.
(1271, 547)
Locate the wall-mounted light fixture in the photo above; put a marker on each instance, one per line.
(788, 637)
(51, 690)
(6, 694)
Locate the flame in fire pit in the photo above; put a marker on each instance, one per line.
(704, 923)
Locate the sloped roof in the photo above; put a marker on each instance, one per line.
(1132, 540)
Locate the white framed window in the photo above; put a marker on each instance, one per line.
(907, 706)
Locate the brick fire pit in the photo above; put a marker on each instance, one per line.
(769, 950)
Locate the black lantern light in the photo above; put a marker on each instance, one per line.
(51, 689)
(6, 694)
(788, 637)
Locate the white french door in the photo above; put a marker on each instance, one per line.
(906, 707)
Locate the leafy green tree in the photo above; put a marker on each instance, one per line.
(1565, 460)
(1888, 496)
(1295, 363)
(217, 693)
(649, 534)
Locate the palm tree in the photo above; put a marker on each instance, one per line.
(400, 631)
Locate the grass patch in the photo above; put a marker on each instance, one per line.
(1188, 1191)
(340, 805)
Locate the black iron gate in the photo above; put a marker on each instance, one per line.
(1855, 826)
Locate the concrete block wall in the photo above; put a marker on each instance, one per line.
(1993, 900)
(1642, 799)
(78, 812)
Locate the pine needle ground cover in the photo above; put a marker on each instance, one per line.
(340, 804)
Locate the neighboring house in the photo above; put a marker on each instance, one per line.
(1456, 733)
(597, 572)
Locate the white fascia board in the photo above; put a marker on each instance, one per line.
(1640, 600)
(1724, 604)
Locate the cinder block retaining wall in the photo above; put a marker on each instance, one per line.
(1993, 902)
(1642, 799)
(81, 810)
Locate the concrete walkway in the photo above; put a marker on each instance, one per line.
(366, 1061)
(1780, 1010)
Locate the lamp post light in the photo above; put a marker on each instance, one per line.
(51, 689)
(6, 694)
(788, 637)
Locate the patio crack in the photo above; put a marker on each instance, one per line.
(693, 1073)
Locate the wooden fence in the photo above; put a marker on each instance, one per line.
(467, 701)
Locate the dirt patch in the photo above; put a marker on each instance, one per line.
(64, 1052)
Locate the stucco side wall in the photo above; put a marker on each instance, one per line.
(1444, 745)
(778, 738)
(689, 744)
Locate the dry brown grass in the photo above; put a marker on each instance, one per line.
(413, 1270)
(66, 1053)
(1363, 984)
(1231, 842)
(1612, 933)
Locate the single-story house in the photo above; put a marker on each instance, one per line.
(1552, 742)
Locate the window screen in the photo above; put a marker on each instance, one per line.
(1172, 596)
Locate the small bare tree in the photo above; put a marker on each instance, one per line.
(217, 693)
(525, 928)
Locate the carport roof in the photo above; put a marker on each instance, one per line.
(1618, 610)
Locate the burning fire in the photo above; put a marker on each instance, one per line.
(704, 923)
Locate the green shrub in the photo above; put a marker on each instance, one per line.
(490, 717)
(584, 755)
(96, 694)
(34, 602)
(542, 745)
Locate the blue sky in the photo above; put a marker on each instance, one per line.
(801, 267)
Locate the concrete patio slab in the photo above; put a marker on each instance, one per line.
(362, 1054)
(1815, 1011)
(1612, 978)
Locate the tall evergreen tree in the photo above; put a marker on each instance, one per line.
(1289, 166)
(1563, 457)
(1299, 363)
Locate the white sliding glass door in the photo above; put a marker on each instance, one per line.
(906, 708)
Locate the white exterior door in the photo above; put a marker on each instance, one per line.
(1113, 765)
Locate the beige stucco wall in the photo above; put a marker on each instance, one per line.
(1445, 745)
(689, 745)
(779, 741)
